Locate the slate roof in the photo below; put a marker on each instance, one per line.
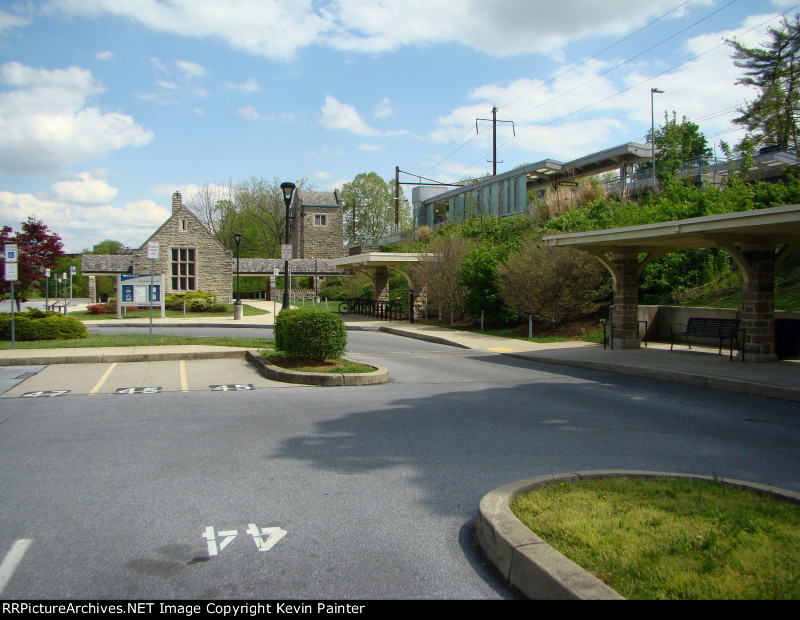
(319, 199)
(99, 263)
(111, 265)
(265, 266)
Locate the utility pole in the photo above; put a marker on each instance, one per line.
(494, 122)
(396, 199)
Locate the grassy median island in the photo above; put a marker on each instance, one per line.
(304, 364)
(671, 538)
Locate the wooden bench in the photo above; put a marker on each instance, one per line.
(701, 327)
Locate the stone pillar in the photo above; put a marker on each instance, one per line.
(91, 289)
(380, 284)
(625, 312)
(758, 304)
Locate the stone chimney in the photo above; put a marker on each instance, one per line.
(176, 202)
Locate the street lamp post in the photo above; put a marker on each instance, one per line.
(237, 306)
(288, 190)
(653, 91)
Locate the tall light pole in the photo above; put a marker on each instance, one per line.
(653, 91)
(288, 190)
(237, 311)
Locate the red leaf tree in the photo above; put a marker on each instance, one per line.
(39, 249)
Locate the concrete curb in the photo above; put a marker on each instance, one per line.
(534, 567)
(350, 328)
(417, 336)
(682, 377)
(276, 373)
(94, 358)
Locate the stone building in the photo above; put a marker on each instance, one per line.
(191, 258)
(318, 225)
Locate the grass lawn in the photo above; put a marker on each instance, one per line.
(145, 314)
(671, 538)
(138, 340)
(299, 364)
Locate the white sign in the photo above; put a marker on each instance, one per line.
(11, 252)
(12, 273)
(73, 270)
(276, 272)
(286, 251)
(46, 273)
(152, 250)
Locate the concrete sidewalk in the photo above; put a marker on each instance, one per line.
(700, 367)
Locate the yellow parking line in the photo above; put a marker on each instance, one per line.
(184, 380)
(502, 350)
(103, 378)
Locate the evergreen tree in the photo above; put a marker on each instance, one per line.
(774, 69)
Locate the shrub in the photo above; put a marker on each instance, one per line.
(553, 284)
(38, 325)
(96, 309)
(196, 301)
(310, 333)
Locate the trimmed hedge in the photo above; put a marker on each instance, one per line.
(38, 325)
(309, 333)
(196, 301)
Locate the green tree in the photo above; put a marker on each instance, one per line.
(774, 69)
(39, 249)
(676, 142)
(107, 247)
(253, 207)
(369, 214)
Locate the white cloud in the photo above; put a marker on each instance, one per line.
(384, 109)
(178, 82)
(248, 113)
(250, 85)
(106, 55)
(190, 69)
(7, 20)
(338, 115)
(370, 147)
(85, 191)
(45, 124)
(80, 226)
(500, 28)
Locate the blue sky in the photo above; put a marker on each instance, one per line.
(108, 106)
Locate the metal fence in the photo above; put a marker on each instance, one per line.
(373, 308)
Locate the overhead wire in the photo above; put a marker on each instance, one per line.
(537, 127)
(563, 73)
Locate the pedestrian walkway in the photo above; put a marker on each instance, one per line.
(700, 367)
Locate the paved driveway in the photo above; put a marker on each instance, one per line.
(364, 492)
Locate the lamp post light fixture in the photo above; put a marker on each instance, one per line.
(288, 190)
(653, 91)
(237, 237)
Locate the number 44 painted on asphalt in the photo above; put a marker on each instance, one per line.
(265, 538)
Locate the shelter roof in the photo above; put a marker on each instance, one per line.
(543, 173)
(371, 260)
(776, 225)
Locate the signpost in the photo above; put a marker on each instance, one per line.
(10, 252)
(275, 273)
(152, 254)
